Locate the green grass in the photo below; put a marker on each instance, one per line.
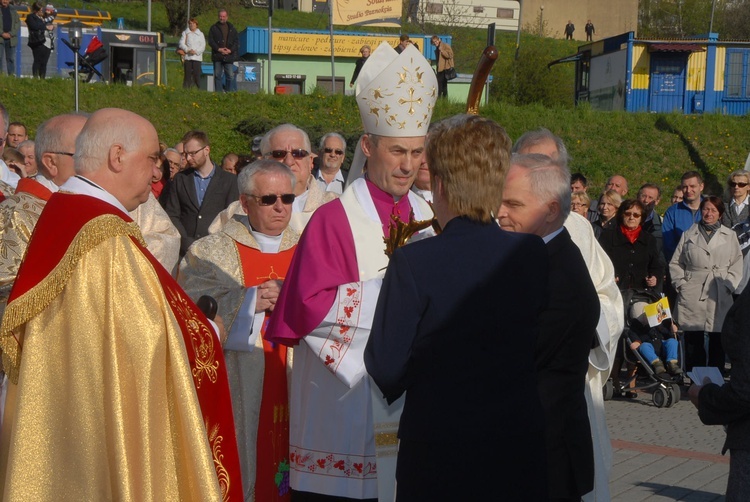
(643, 147)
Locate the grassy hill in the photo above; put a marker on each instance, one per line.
(642, 147)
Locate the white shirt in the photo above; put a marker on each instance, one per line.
(335, 186)
(738, 207)
(8, 176)
(84, 186)
(299, 202)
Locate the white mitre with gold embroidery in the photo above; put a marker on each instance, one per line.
(396, 93)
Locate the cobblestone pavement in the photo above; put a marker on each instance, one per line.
(664, 454)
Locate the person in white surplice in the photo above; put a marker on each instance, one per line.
(337, 415)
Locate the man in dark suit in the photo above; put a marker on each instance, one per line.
(455, 327)
(200, 192)
(536, 200)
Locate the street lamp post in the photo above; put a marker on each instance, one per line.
(75, 36)
(541, 20)
(518, 32)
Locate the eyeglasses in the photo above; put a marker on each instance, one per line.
(192, 154)
(575, 205)
(631, 214)
(297, 153)
(734, 184)
(64, 153)
(270, 199)
(331, 150)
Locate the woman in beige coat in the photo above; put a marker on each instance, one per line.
(705, 269)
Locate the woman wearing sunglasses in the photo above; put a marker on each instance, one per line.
(635, 256)
(738, 186)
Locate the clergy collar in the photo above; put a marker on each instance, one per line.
(379, 195)
(80, 185)
(267, 243)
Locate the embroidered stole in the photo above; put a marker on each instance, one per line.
(272, 456)
(340, 340)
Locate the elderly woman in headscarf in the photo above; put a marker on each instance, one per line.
(706, 268)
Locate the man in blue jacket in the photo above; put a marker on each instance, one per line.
(682, 215)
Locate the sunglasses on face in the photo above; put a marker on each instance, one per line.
(270, 199)
(297, 153)
(631, 214)
(332, 150)
(735, 184)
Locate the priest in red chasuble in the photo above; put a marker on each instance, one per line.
(242, 266)
(118, 384)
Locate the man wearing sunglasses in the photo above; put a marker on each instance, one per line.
(331, 154)
(243, 267)
(326, 305)
(290, 145)
(200, 192)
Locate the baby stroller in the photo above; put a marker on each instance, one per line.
(664, 383)
(95, 53)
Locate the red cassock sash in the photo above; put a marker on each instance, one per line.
(272, 457)
(64, 216)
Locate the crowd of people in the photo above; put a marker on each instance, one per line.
(262, 328)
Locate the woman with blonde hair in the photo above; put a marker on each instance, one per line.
(738, 187)
(365, 51)
(609, 203)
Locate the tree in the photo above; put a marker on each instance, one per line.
(734, 22)
(177, 12)
(676, 18)
(528, 80)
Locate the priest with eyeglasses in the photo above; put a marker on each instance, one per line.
(242, 267)
(289, 145)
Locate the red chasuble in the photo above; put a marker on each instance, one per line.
(67, 214)
(272, 456)
(33, 187)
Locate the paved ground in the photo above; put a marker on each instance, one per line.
(664, 454)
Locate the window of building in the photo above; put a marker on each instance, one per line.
(736, 81)
(478, 9)
(505, 13)
(434, 8)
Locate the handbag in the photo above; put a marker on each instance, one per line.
(450, 74)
